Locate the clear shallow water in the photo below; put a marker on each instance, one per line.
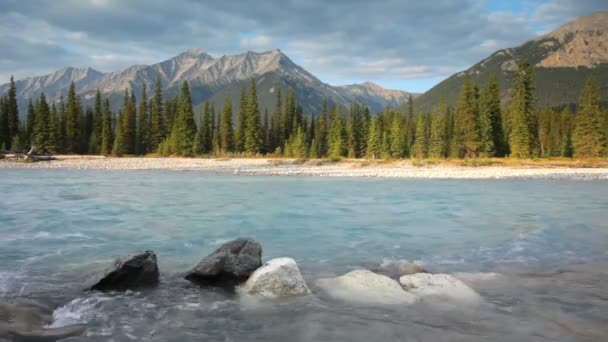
(547, 238)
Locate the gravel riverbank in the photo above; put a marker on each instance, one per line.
(289, 167)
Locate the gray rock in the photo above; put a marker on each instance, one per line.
(275, 279)
(135, 271)
(229, 265)
(366, 288)
(22, 321)
(439, 286)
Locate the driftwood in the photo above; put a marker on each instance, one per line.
(29, 157)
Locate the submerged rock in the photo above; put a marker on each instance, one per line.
(28, 321)
(229, 265)
(277, 278)
(135, 271)
(366, 287)
(442, 286)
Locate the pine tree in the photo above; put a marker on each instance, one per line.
(589, 135)
(143, 124)
(61, 123)
(490, 121)
(322, 131)
(86, 129)
(226, 130)
(95, 141)
(337, 137)
(421, 144)
(267, 133)
(119, 146)
(438, 136)
(72, 125)
(158, 130)
(289, 117)
(129, 122)
(522, 139)
(184, 127)
(297, 146)
(4, 132)
(206, 128)
(567, 147)
(239, 137)
(106, 129)
(277, 122)
(374, 142)
(12, 113)
(467, 130)
(41, 138)
(30, 122)
(410, 122)
(398, 144)
(253, 130)
(53, 130)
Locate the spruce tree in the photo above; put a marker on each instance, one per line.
(589, 134)
(410, 122)
(374, 142)
(53, 143)
(12, 113)
(239, 136)
(253, 131)
(467, 130)
(41, 138)
(226, 129)
(337, 137)
(398, 145)
(206, 129)
(277, 122)
(4, 132)
(119, 145)
(438, 135)
(522, 122)
(61, 123)
(143, 124)
(95, 140)
(420, 148)
(184, 127)
(86, 130)
(322, 131)
(106, 129)
(158, 130)
(72, 125)
(30, 122)
(129, 122)
(490, 121)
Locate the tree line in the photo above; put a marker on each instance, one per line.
(478, 126)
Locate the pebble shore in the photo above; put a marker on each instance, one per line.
(289, 167)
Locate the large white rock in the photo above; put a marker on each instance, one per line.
(442, 286)
(366, 287)
(277, 278)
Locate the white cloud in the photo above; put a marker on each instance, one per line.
(256, 43)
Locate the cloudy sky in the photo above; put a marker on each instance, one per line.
(402, 44)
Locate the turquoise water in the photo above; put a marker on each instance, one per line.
(547, 238)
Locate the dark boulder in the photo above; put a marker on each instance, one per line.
(229, 265)
(135, 271)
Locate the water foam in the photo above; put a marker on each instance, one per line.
(78, 311)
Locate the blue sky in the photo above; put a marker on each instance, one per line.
(401, 44)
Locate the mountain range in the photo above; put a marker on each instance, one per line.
(563, 58)
(211, 79)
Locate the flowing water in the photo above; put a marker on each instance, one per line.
(535, 250)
